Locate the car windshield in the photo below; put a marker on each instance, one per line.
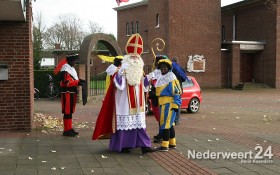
(188, 83)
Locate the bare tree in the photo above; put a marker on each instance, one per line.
(38, 30)
(67, 32)
(95, 27)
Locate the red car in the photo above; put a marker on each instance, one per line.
(191, 97)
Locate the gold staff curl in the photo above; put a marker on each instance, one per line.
(157, 42)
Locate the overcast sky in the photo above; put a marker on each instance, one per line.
(99, 11)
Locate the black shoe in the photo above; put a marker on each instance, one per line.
(69, 133)
(158, 137)
(162, 149)
(126, 150)
(147, 150)
(157, 140)
(172, 146)
(75, 132)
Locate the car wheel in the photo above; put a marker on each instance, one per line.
(148, 108)
(193, 105)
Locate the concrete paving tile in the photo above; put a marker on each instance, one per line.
(7, 160)
(155, 169)
(273, 167)
(134, 169)
(114, 170)
(26, 171)
(209, 164)
(109, 164)
(139, 173)
(93, 170)
(7, 167)
(48, 172)
(239, 169)
(12, 172)
(4, 141)
(130, 163)
(88, 164)
(32, 162)
(71, 171)
(268, 173)
(222, 170)
(246, 173)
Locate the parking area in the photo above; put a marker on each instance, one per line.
(229, 121)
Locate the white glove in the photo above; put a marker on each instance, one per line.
(151, 75)
(123, 67)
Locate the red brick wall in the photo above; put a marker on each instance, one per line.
(187, 27)
(194, 28)
(16, 99)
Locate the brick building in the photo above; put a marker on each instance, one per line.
(16, 66)
(250, 38)
(221, 48)
(188, 28)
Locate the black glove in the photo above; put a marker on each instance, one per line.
(81, 82)
(174, 109)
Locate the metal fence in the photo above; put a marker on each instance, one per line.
(97, 83)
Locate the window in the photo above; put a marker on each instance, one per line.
(234, 27)
(157, 21)
(132, 28)
(223, 34)
(127, 29)
(136, 27)
(188, 83)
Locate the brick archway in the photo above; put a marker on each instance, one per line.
(88, 44)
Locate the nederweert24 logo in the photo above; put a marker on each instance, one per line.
(258, 155)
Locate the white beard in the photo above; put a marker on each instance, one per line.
(134, 72)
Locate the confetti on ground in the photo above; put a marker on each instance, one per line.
(195, 140)
(62, 168)
(53, 168)
(53, 151)
(30, 158)
(209, 140)
(51, 124)
(103, 157)
(43, 161)
(217, 139)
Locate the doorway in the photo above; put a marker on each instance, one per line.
(247, 67)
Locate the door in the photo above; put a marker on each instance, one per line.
(247, 67)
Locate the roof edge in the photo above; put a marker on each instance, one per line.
(137, 4)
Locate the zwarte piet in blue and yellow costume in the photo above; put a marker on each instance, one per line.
(168, 91)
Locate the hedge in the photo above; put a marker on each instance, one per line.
(41, 80)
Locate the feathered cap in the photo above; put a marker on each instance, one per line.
(68, 58)
(134, 45)
(165, 61)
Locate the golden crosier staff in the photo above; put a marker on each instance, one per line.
(156, 41)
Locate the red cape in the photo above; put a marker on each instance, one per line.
(104, 124)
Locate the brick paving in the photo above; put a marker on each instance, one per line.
(228, 121)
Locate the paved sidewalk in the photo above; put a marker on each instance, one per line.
(228, 121)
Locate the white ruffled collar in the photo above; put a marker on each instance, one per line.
(165, 79)
(70, 70)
